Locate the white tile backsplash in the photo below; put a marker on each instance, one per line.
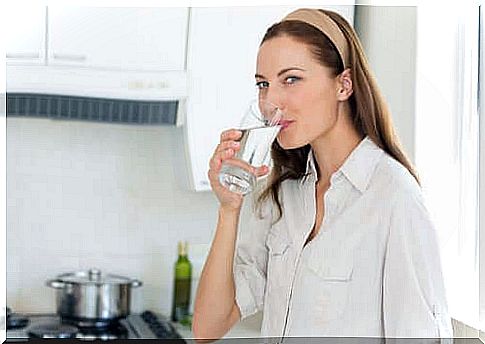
(83, 194)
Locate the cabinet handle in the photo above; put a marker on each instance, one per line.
(69, 57)
(23, 55)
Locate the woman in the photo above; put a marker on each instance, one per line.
(343, 244)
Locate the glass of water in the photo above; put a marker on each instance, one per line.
(260, 125)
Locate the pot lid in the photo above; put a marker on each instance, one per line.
(93, 276)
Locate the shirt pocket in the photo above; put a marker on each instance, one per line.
(278, 245)
(329, 281)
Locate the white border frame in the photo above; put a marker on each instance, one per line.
(481, 171)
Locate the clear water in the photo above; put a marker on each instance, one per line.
(255, 150)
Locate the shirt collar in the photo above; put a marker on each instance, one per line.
(357, 168)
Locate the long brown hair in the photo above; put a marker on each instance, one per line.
(369, 112)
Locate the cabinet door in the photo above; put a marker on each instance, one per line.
(150, 39)
(25, 41)
(223, 45)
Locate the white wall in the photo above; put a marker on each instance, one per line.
(82, 195)
(388, 34)
(389, 37)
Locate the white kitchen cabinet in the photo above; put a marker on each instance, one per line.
(25, 42)
(222, 49)
(144, 39)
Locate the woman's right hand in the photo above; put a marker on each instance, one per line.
(225, 151)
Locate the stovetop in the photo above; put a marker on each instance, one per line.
(146, 325)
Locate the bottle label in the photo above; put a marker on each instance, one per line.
(181, 299)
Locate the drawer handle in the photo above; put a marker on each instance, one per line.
(69, 57)
(23, 55)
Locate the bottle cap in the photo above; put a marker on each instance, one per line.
(182, 248)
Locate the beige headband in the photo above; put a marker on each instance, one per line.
(326, 25)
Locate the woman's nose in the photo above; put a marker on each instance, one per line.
(275, 97)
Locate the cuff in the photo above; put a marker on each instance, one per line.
(244, 296)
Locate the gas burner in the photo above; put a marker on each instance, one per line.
(90, 324)
(52, 330)
(57, 329)
(15, 321)
(113, 331)
(102, 336)
(147, 325)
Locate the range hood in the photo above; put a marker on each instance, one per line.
(63, 92)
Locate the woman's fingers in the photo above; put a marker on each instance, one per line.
(225, 149)
(261, 171)
(225, 153)
(241, 164)
(224, 145)
(220, 155)
(230, 134)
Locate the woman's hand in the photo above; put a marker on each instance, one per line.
(225, 151)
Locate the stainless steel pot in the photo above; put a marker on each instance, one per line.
(92, 296)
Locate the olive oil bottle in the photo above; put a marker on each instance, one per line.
(182, 284)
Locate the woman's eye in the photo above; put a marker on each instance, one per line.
(292, 79)
(262, 84)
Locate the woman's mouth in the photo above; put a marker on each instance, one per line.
(285, 123)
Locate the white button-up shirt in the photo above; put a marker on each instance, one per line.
(373, 269)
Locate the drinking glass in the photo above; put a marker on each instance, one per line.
(260, 125)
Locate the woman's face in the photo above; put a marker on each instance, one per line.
(288, 76)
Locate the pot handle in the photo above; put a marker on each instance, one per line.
(136, 283)
(54, 283)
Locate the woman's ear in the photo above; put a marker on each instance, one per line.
(345, 86)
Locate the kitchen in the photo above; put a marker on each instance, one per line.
(117, 193)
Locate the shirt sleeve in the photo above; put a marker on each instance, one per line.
(414, 298)
(251, 258)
